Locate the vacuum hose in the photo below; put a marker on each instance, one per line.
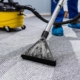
(33, 10)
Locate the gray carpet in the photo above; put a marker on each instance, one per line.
(65, 50)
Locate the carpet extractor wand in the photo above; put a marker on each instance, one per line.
(40, 51)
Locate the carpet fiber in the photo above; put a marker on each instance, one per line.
(65, 50)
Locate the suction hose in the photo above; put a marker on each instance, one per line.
(33, 10)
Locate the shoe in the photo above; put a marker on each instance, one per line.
(77, 26)
(57, 31)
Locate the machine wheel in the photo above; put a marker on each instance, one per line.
(23, 27)
(7, 28)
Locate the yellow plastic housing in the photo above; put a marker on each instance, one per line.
(11, 19)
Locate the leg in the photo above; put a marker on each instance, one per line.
(73, 12)
(72, 8)
(58, 31)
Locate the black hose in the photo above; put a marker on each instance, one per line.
(33, 10)
(55, 23)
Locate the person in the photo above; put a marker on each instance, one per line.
(73, 12)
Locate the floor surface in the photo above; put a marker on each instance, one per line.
(65, 50)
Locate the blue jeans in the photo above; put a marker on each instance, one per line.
(72, 9)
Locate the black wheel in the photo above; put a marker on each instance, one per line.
(23, 27)
(7, 28)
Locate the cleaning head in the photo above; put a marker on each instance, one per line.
(39, 52)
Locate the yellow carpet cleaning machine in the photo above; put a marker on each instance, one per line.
(10, 16)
